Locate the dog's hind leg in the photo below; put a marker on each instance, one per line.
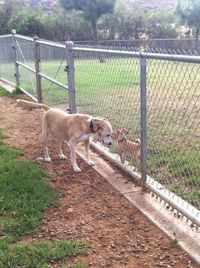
(47, 158)
(87, 153)
(73, 157)
(61, 155)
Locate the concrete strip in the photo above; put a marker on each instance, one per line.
(7, 86)
(169, 221)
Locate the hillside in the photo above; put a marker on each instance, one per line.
(157, 4)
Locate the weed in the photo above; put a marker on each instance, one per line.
(4, 92)
(15, 93)
(174, 242)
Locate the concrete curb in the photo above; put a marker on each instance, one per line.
(9, 87)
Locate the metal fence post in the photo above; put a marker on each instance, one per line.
(37, 69)
(143, 105)
(14, 46)
(71, 77)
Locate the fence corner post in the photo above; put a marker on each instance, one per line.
(143, 105)
(14, 46)
(71, 77)
(37, 69)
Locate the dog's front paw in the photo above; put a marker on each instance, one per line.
(47, 159)
(90, 163)
(76, 169)
(62, 156)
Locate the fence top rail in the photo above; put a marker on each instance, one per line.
(6, 35)
(40, 41)
(138, 40)
(23, 37)
(49, 43)
(136, 54)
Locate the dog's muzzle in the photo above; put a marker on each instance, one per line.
(107, 140)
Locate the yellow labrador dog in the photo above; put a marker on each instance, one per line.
(71, 128)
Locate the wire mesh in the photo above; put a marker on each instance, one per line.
(53, 62)
(7, 68)
(174, 127)
(108, 86)
(25, 55)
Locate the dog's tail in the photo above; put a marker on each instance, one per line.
(33, 104)
(138, 141)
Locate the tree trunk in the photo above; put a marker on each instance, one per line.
(197, 39)
(94, 30)
(95, 39)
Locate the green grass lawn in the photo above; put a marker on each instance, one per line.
(112, 90)
(25, 194)
(40, 254)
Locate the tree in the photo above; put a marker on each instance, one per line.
(189, 13)
(68, 26)
(106, 27)
(28, 22)
(160, 24)
(129, 20)
(6, 11)
(92, 10)
(9, 17)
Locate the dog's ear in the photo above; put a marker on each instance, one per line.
(115, 133)
(95, 127)
(125, 131)
(97, 123)
(104, 119)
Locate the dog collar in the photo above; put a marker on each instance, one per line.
(91, 125)
(124, 139)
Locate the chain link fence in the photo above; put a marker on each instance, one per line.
(155, 97)
(7, 67)
(35, 66)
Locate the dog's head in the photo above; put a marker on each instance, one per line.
(103, 129)
(120, 134)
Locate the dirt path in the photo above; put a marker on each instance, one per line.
(90, 209)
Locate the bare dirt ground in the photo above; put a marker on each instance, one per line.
(90, 210)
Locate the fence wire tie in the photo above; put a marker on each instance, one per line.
(66, 68)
